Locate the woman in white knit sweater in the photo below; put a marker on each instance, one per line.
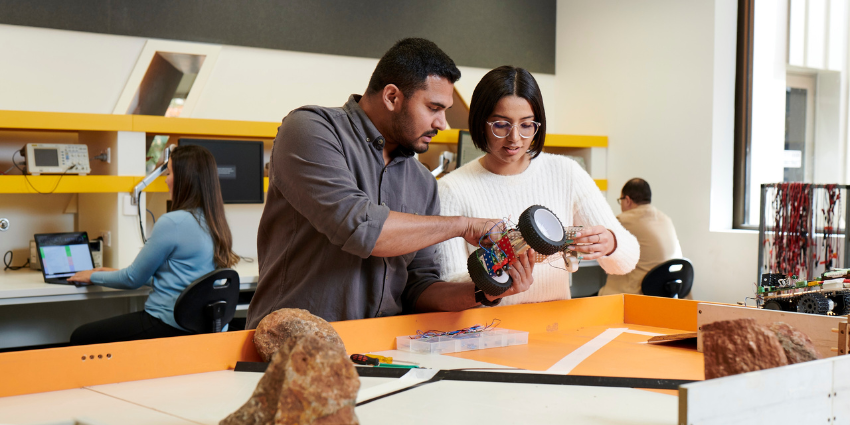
(508, 122)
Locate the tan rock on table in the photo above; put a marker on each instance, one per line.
(286, 323)
(797, 345)
(738, 346)
(309, 381)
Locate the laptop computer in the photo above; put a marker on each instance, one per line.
(63, 254)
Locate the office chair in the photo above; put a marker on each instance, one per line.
(671, 279)
(204, 306)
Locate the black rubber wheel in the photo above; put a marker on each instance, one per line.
(542, 230)
(842, 303)
(491, 285)
(814, 303)
(772, 305)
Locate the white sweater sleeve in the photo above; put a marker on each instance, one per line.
(591, 209)
(452, 254)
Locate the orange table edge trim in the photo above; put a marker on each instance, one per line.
(34, 371)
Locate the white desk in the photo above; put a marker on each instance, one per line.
(27, 287)
(34, 313)
(207, 398)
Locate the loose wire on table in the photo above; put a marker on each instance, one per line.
(470, 330)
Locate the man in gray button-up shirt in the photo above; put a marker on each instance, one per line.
(351, 218)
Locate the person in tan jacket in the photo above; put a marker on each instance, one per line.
(655, 234)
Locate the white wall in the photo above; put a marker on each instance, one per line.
(264, 85)
(63, 71)
(657, 77)
(67, 71)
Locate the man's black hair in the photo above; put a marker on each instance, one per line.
(409, 63)
(638, 190)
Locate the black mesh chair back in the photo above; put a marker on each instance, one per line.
(671, 279)
(208, 303)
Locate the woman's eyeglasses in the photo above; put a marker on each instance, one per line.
(501, 129)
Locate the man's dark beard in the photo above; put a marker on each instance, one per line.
(402, 127)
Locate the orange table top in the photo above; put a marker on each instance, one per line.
(555, 330)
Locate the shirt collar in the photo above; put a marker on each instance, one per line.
(361, 121)
(366, 128)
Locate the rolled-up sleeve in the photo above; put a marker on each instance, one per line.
(326, 192)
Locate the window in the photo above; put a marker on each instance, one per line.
(788, 122)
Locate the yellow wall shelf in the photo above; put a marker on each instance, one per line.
(449, 137)
(103, 184)
(75, 184)
(60, 121)
(81, 184)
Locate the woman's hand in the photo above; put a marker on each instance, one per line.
(520, 273)
(84, 277)
(594, 242)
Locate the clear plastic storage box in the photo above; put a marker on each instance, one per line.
(491, 338)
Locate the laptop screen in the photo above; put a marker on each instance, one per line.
(63, 254)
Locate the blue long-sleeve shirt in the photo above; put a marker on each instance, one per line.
(179, 251)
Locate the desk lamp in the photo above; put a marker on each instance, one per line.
(137, 191)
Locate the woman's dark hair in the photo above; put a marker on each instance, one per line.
(409, 63)
(496, 84)
(195, 187)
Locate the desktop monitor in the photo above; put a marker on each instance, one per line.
(466, 150)
(240, 168)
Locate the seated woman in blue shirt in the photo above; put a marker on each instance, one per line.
(186, 243)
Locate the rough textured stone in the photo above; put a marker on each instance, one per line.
(738, 346)
(309, 381)
(287, 323)
(260, 409)
(797, 345)
(320, 385)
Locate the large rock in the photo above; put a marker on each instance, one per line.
(309, 381)
(260, 409)
(287, 323)
(320, 386)
(738, 346)
(797, 345)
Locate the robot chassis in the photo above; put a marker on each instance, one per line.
(829, 295)
(538, 228)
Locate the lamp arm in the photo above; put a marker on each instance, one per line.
(152, 176)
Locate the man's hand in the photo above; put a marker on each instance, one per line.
(594, 242)
(478, 227)
(520, 273)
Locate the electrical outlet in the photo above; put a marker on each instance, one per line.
(107, 237)
(130, 207)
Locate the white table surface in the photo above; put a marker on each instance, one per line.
(27, 286)
(207, 398)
